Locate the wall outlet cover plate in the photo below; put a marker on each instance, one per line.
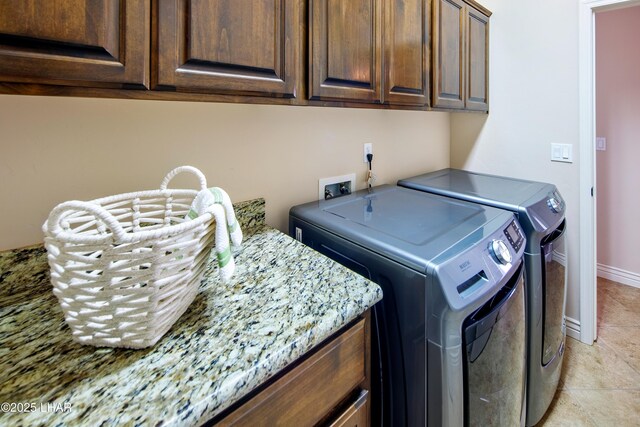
(323, 182)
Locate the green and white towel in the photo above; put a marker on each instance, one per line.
(217, 201)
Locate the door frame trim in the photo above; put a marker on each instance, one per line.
(587, 113)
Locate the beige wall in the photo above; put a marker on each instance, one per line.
(534, 102)
(618, 120)
(56, 149)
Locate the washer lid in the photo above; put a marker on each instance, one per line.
(408, 226)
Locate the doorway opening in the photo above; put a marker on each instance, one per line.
(588, 171)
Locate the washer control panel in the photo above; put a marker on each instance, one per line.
(514, 235)
(555, 202)
(500, 251)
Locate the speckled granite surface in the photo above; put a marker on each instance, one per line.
(283, 300)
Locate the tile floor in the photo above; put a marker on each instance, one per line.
(600, 384)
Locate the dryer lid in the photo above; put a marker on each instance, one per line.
(504, 192)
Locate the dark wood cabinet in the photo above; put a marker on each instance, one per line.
(460, 55)
(477, 94)
(228, 46)
(75, 42)
(345, 45)
(356, 414)
(406, 52)
(448, 54)
(400, 54)
(330, 386)
(374, 51)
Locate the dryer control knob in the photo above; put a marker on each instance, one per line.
(554, 205)
(500, 251)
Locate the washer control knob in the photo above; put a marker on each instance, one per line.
(554, 205)
(500, 251)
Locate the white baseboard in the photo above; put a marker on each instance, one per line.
(573, 327)
(619, 275)
(559, 257)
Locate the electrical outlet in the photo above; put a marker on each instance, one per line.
(336, 186)
(368, 149)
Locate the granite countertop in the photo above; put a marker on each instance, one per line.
(283, 300)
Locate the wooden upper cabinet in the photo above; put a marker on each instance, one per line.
(228, 46)
(406, 52)
(460, 55)
(477, 95)
(448, 54)
(75, 42)
(345, 50)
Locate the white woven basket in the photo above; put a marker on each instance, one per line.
(126, 267)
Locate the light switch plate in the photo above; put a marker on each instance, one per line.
(601, 143)
(562, 153)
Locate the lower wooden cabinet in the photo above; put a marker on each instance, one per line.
(329, 387)
(357, 414)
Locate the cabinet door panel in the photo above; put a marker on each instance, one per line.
(448, 54)
(345, 49)
(478, 60)
(312, 390)
(406, 52)
(229, 45)
(80, 42)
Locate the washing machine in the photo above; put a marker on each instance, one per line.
(448, 347)
(540, 210)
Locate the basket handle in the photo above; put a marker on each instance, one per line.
(180, 169)
(53, 223)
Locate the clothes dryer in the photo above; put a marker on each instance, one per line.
(540, 210)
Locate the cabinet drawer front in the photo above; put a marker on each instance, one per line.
(307, 393)
(356, 415)
(76, 42)
(227, 46)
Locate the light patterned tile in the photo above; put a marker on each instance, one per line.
(613, 313)
(599, 384)
(561, 385)
(619, 408)
(625, 342)
(596, 367)
(565, 411)
(626, 296)
(619, 291)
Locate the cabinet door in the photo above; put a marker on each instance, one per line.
(448, 54)
(477, 97)
(345, 49)
(228, 46)
(406, 52)
(311, 391)
(78, 42)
